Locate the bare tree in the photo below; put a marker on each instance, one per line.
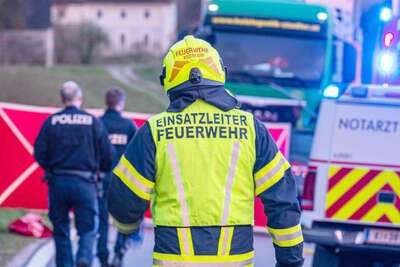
(78, 43)
(12, 14)
(189, 13)
(92, 37)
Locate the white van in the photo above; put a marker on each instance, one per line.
(351, 193)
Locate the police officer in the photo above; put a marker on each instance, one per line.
(201, 162)
(120, 132)
(72, 147)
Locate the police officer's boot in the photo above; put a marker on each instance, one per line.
(104, 263)
(117, 260)
(82, 263)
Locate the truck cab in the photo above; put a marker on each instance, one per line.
(280, 56)
(351, 195)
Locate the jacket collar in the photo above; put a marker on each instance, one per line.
(111, 111)
(71, 108)
(217, 96)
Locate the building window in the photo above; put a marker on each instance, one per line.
(147, 14)
(123, 14)
(60, 13)
(122, 40)
(99, 13)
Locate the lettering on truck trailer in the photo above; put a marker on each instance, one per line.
(267, 23)
(362, 124)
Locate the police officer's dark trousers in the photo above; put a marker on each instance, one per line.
(122, 240)
(68, 192)
(102, 250)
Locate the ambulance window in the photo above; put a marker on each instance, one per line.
(300, 145)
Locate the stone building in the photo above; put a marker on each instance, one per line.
(26, 36)
(132, 26)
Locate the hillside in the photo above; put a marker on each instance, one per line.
(40, 86)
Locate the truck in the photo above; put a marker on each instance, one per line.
(351, 194)
(282, 56)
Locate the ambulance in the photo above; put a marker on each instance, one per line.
(351, 193)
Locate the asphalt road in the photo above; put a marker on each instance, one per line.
(140, 255)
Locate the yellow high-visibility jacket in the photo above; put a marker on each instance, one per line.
(201, 163)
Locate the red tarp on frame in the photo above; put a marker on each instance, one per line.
(20, 179)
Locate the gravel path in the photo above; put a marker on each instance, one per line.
(126, 75)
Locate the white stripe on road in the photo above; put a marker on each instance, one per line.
(43, 256)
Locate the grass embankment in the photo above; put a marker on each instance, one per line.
(40, 86)
(11, 244)
(148, 69)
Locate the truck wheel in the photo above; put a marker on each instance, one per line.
(325, 257)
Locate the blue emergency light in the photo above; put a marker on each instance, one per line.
(387, 62)
(385, 14)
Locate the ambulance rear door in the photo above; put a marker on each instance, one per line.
(363, 165)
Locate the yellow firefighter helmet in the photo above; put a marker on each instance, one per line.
(189, 62)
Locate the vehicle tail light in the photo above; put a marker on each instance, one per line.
(307, 201)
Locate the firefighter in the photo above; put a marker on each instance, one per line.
(201, 162)
(72, 147)
(120, 132)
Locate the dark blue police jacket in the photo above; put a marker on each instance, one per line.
(120, 130)
(73, 140)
